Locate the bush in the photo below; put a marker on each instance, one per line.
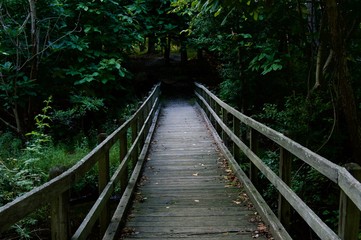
(10, 145)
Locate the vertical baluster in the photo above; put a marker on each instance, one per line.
(217, 109)
(123, 148)
(349, 214)
(59, 210)
(103, 179)
(209, 101)
(209, 114)
(236, 151)
(148, 109)
(285, 168)
(225, 121)
(134, 127)
(60, 217)
(141, 123)
(254, 146)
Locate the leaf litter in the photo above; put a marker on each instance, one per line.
(262, 230)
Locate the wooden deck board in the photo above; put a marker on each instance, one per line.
(185, 193)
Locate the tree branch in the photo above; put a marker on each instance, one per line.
(47, 47)
(9, 124)
(328, 61)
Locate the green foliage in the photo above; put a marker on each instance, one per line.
(10, 145)
(39, 137)
(82, 46)
(266, 61)
(20, 172)
(72, 119)
(298, 116)
(15, 86)
(22, 175)
(106, 70)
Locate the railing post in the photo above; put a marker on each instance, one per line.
(225, 121)
(60, 217)
(211, 103)
(217, 109)
(148, 108)
(59, 210)
(254, 146)
(134, 127)
(285, 168)
(123, 148)
(236, 151)
(141, 120)
(349, 214)
(104, 178)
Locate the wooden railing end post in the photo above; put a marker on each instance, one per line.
(59, 210)
(349, 214)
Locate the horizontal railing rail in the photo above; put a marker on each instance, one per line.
(227, 122)
(136, 132)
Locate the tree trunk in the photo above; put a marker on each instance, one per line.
(35, 58)
(19, 127)
(166, 44)
(343, 78)
(34, 40)
(183, 49)
(151, 43)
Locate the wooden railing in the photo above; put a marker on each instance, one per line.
(137, 131)
(227, 122)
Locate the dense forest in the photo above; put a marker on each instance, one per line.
(70, 70)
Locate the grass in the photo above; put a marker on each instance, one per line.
(59, 156)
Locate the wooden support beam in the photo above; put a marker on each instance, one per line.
(225, 121)
(285, 168)
(210, 101)
(123, 148)
(60, 217)
(254, 146)
(217, 110)
(103, 178)
(236, 151)
(349, 214)
(134, 156)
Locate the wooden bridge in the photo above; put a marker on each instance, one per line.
(179, 160)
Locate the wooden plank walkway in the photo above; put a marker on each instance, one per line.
(185, 191)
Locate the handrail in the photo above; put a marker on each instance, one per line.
(217, 111)
(141, 125)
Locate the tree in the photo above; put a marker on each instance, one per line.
(338, 14)
(54, 47)
(22, 52)
(159, 24)
(308, 56)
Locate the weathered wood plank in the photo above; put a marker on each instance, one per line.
(60, 217)
(314, 221)
(350, 186)
(191, 221)
(349, 220)
(278, 231)
(85, 228)
(124, 203)
(184, 193)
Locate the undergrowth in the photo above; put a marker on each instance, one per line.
(25, 165)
